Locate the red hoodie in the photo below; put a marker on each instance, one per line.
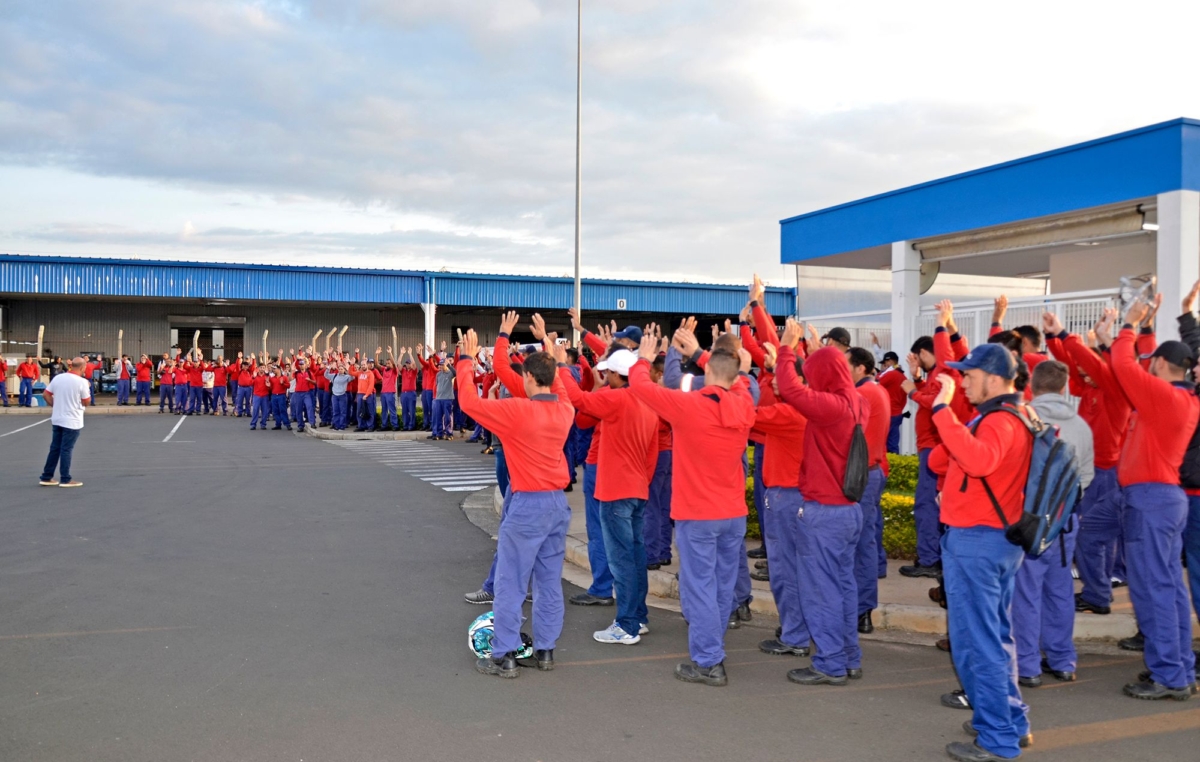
(999, 451)
(832, 407)
(1163, 420)
(710, 426)
(629, 452)
(144, 370)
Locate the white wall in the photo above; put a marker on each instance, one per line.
(1095, 267)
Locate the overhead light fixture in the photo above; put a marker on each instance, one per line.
(1035, 275)
(1149, 226)
(1087, 243)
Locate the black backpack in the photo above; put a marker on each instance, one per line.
(858, 464)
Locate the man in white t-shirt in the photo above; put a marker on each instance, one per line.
(67, 395)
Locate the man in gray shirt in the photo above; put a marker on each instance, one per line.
(1044, 601)
(443, 401)
(339, 379)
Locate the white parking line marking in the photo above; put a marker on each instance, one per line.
(182, 418)
(30, 426)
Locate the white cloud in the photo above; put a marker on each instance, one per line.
(442, 132)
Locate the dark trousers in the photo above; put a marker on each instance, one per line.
(166, 397)
(366, 411)
(893, 439)
(62, 445)
(143, 393)
(341, 408)
(219, 399)
(427, 409)
(408, 410)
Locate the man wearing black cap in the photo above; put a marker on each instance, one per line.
(891, 378)
(838, 338)
(990, 458)
(1165, 411)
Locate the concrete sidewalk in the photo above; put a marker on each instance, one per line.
(904, 603)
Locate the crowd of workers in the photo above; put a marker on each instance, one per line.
(662, 427)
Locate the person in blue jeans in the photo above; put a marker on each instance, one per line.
(991, 455)
(67, 394)
(443, 402)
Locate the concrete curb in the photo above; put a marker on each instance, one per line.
(95, 410)
(896, 617)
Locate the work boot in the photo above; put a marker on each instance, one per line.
(956, 699)
(916, 570)
(544, 659)
(1024, 742)
(1150, 690)
(865, 625)
(1030, 682)
(1066, 677)
(810, 676)
(587, 599)
(777, 647)
(506, 666)
(943, 644)
(734, 623)
(759, 552)
(743, 612)
(762, 575)
(691, 672)
(760, 564)
(1135, 642)
(854, 673)
(1084, 606)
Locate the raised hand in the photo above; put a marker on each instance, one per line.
(1190, 301)
(508, 321)
(757, 289)
(538, 327)
(771, 356)
(746, 315)
(1104, 326)
(470, 344)
(946, 393)
(557, 351)
(999, 309)
(1051, 324)
(945, 311)
(813, 342)
(575, 324)
(728, 325)
(689, 323)
(792, 333)
(686, 341)
(648, 349)
(1149, 319)
(1137, 312)
(744, 360)
(914, 365)
(716, 332)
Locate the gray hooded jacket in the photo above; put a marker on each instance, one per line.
(1058, 410)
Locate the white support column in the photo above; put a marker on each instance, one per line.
(906, 304)
(1178, 255)
(430, 311)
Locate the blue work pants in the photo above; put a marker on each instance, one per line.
(708, 558)
(657, 527)
(166, 397)
(408, 411)
(827, 538)
(780, 522)
(602, 577)
(1099, 527)
(143, 393)
(926, 514)
(122, 391)
(1043, 612)
(866, 552)
(427, 409)
(389, 418)
(341, 410)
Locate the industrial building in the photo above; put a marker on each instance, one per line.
(84, 302)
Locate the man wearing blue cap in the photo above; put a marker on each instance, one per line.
(989, 457)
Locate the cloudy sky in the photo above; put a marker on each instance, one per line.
(440, 133)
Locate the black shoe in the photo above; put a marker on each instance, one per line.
(810, 676)
(743, 612)
(854, 673)
(970, 752)
(1088, 607)
(585, 599)
(1118, 583)
(653, 567)
(916, 570)
(778, 648)
(1030, 682)
(543, 659)
(1066, 677)
(760, 564)
(762, 575)
(1024, 742)
(691, 672)
(865, 625)
(1135, 642)
(504, 667)
(569, 488)
(943, 644)
(956, 699)
(666, 563)
(759, 552)
(734, 623)
(779, 632)
(1152, 691)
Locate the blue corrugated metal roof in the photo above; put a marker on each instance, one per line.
(1130, 165)
(76, 276)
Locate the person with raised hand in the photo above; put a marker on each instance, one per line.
(533, 532)
(707, 495)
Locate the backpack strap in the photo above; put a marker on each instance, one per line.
(1026, 415)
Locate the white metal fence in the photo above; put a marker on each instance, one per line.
(1078, 312)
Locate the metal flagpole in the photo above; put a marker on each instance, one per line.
(578, 298)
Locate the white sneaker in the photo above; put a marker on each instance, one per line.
(643, 629)
(614, 634)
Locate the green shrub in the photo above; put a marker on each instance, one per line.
(899, 529)
(753, 530)
(902, 477)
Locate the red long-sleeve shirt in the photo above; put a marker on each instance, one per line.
(944, 352)
(1163, 420)
(166, 376)
(892, 381)
(220, 375)
(1104, 407)
(304, 380)
(428, 374)
(181, 376)
(245, 377)
(879, 421)
(262, 386)
(630, 450)
(832, 408)
(144, 370)
(279, 384)
(999, 451)
(595, 343)
(28, 370)
(710, 427)
(533, 431)
(783, 452)
(390, 376)
(513, 381)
